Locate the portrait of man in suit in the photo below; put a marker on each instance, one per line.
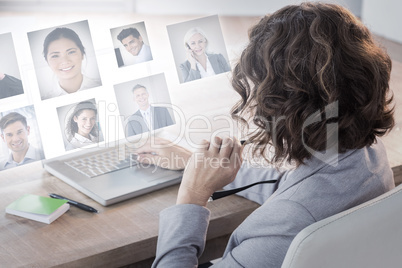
(148, 117)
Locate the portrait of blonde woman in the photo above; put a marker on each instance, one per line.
(199, 62)
(198, 48)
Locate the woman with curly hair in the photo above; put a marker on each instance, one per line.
(81, 126)
(317, 87)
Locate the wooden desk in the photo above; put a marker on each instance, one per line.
(119, 235)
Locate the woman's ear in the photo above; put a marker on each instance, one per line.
(75, 118)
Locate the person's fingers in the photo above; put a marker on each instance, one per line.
(153, 146)
(215, 145)
(148, 159)
(162, 141)
(226, 147)
(146, 148)
(204, 146)
(235, 157)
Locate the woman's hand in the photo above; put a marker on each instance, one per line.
(164, 154)
(209, 169)
(191, 59)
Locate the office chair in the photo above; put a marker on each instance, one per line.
(366, 236)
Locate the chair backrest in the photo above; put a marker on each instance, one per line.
(369, 235)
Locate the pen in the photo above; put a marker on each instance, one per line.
(74, 203)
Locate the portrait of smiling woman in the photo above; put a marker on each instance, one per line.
(200, 63)
(80, 124)
(198, 48)
(62, 53)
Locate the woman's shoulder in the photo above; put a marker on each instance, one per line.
(358, 176)
(219, 59)
(185, 65)
(94, 139)
(73, 143)
(213, 55)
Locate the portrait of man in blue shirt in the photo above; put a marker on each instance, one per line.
(15, 132)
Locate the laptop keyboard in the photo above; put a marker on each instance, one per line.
(96, 164)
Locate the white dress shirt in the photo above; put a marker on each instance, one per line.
(59, 91)
(144, 54)
(208, 72)
(147, 116)
(80, 141)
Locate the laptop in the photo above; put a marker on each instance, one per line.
(124, 178)
(109, 172)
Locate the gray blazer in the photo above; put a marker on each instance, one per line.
(302, 196)
(10, 86)
(136, 123)
(218, 63)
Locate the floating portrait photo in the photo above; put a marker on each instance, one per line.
(144, 104)
(10, 77)
(21, 142)
(79, 123)
(64, 59)
(131, 44)
(198, 48)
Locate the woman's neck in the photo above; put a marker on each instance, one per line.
(73, 84)
(202, 59)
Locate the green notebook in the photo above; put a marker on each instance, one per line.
(38, 208)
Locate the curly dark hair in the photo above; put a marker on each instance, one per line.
(302, 62)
